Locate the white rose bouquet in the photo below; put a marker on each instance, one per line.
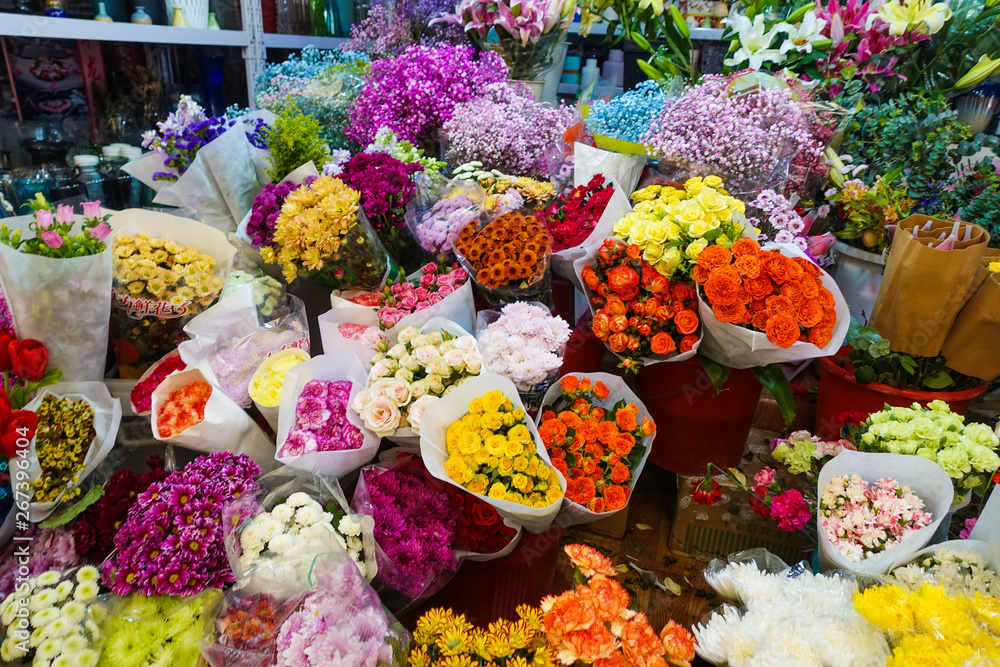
(412, 374)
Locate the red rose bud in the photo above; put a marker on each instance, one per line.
(29, 358)
(18, 430)
(5, 340)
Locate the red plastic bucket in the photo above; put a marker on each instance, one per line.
(562, 299)
(694, 425)
(584, 350)
(839, 392)
(486, 591)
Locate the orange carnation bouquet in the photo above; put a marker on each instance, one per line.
(508, 259)
(640, 314)
(592, 624)
(598, 438)
(777, 292)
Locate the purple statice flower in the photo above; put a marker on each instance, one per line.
(321, 423)
(385, 184)
(264, 213)
(176, 525)
(415, 93)
(414, 528)
(506, 129)
(48, 549)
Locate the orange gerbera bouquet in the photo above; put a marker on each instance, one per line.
(511, 251)
(593, 625)
(783, 297)
(638, 312)
(597, 450)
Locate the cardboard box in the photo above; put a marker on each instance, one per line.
(613, 526)
(730, 526)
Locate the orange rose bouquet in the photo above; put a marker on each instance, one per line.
(641, 315)
(598, 436)
(763, 306)
(593, 625)
(508, 258)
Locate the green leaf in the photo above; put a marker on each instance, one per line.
(75, 510)
(908, 363)
(637, 548)
(717, 373)
(864, 374)
(772, 378)
(940, 380)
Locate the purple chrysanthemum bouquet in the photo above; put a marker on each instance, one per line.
(415, 93)
(321, 423)
(172, 542)
(415, 528)
(264, 213)
(386, 186)
(506, 129)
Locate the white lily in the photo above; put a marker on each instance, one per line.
(810, 30)
(656, 4)
(755, 41)
(906, 15)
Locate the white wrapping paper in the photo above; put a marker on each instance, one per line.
(925, 478)
(107, 418)
(226, 426)
(434, 449)
(335, 343)
(624, 169)
(563, 261)
(739, 347)
(330, 368)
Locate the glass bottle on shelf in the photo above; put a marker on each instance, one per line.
(55, 9)
(284, 9)
(65, 186)
(317, 19)
(93, 183)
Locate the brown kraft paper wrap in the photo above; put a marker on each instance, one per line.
(972, 344)
(923, 288)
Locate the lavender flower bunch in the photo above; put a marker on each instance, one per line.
(321, 423)
(414, 528)
(415, 93)
(172, 541)
(739, 135)
(506, 129)
(438, 228)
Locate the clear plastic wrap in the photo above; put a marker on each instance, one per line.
(241, 628)
(156, 629)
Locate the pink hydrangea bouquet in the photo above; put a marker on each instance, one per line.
(861, 519)
(321, 423)
(397, 300)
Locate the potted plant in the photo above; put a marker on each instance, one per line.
(866, 375)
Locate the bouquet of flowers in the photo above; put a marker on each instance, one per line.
(55, 616)
(958, 572)
(386, 185)
(172, 542)
(506, 129)
(593, 622)
(415, 530)
(141, 395)
(967, 452)
(48, 549)
(506, 193)
(573, 216)
(868, 212)
(437, 228)
(266, 209)
(480, 527)
(429, 174)
(599, 450)
(415, 93)
(183, 408)
(405, 297)
(664, 320)
(508, 258)
(321, 235)
(269, 379)
(94, 530)
(341, 621)
(525, 343)
(672, 225)
(629, 116)
(321, 423)
(245, 631)
(155, 630)
(412, 374)
(437, 624)
(779, 221)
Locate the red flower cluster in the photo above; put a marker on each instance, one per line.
(638, 311)
(184, 408)
(706, 491)
(252, 624)
(16, 426)
(95, 529)
(572, 217)
(479, 524)
(142, 392)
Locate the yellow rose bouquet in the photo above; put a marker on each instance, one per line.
(673, 225)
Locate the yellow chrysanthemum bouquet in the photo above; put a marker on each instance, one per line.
(486, 446)
(322, 234)
(674, 225)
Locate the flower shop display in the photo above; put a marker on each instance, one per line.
(415, 93)
(141, 395)
(864, 502)
(958, 572)
(781, 307)
(593, 622)
(441, 355)
(165, 270)
(386, 185)
(341, 620)
(158, 551)
(508, 258)
(488, 447)
(415, 530)
(506, 129)
(572, 217)
(437, 626)
(54, 616)
(773, 618)
(183, 408)
(53, 263)
(269, 379)
(246, 628)
(664, 318)
(525, 343)
(506, 193)
(929, 623)
(437, 228)
(598, 436)
(176, 622)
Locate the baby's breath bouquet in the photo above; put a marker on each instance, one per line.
(322, 235)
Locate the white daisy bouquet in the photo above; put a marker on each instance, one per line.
(53, 619)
